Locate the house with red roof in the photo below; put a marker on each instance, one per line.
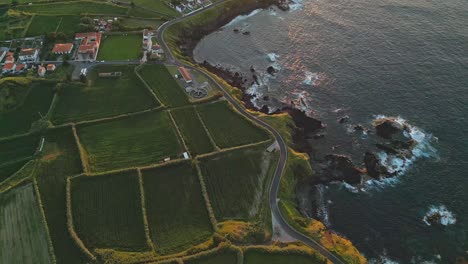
(8, 68)
(62, 48)
(41, 71)
(89, 46)
(9, 59)
(29, 55)
(20, 67)
(185, 74)
(51, 67)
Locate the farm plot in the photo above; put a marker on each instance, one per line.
(236, 181)
(192, 130)
(120, 47)
(253, 256)
(105, 97)
(59, 159)
(7, 170)
(133, 141)
(225, 257)
(164, 85)
(177, 215)
(158, 6)
(41, 25)
(73, 8)
(35, 104)
(107, 211)
(229, 128)
(18, 148)
(22, 229)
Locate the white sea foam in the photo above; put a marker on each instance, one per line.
(296, 5)
(272, 57)
(322, 209)
(382, 260)
(349, 187)
(243, 17)
(446, 217)
(310, 78)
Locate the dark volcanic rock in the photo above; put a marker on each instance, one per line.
(374, 169)
(387, 127)
(271, 70)
(433, 218)
(358, 127)
(236, 30)
(340, 168)
(319, 136)
(246, 33)
(343, 119)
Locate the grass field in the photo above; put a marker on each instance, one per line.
(22, 230)
(36, 103)
(9, 169)
(158, 6)
(235, 181)
(229, 128)
(134, 141)
(192, 130)
(224, 257)
(18, 148)
(73, 8)
(107, 211)
(252, 256)
(120, 47)
(164, 85)
(176, 210)
(104, 98)
(41, 25)
(59, 159)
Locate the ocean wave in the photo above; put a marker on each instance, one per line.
(383, 260)
(272, 56)
(296, 5)
(380, 184)
(322, 208)
(310, 78)
(444, 216)
(242, 17)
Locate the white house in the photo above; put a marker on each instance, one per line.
(28, 55)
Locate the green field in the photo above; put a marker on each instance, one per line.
(192, 130)
(120, 47)
(235, 179)
(41, 25)
(229, 128)
(225, 257)
(176, 210)
(158, 6)
(164, 85)
(7, 170)
(107, 211)
(59, 159)
(36, 103)
(253, 256)
(73, 8)
(138, 140)
(105, 97)
(22, 230)
(18, 148)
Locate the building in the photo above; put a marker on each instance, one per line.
(8, 68)
(10, 58)
(20, 67)
(185, 74)
(2, 54)
(51, 67)
(62, 48)
(41, 71)
(29, 55)
(89, 46)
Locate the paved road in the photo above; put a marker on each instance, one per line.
(283, 149)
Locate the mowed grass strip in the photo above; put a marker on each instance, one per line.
(107, 211)
(234, 179)
(73, 8)
(105, 97)
(224, 257)
(36, 103)
(192, 130)
(133, 141)
(60, 158)
(22, 231)
(228, 127)
(177, 215)
(253, 256)
(120, 47)
(164, 85)
(18, 148)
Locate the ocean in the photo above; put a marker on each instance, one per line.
(363, 60)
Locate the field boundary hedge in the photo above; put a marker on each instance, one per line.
(113, 118)
(251, 145)
(143, 210)
(179, 134)
(71, 228)
(147, 86)
(9, 182)
(206, 197)
(82, 151)
(206, 129)
(44, 220)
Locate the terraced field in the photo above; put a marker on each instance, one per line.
(229, 128)
(107, 211)
(177, 215)
(192, 130)
(224, 257)
(22, 230)
(235, 181)
(133, 141)
(105, 97)
(164, 85)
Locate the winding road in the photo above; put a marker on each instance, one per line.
(283, 148)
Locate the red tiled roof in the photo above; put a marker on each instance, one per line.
(10, 54)
(8, 66)
(91, 41)
(62, 48)
(9, 59)
(185, 74)
(20, 66)
(50, 67)
(27, 52)
(41, 70)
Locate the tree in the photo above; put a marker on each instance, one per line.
(14, 2)
(132, 4)
(83, 78)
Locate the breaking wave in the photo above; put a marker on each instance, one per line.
(322, 208)
(296, 5)
(444, 216)
(310, 78)
(272, 57)
(242, 17)
(382, 260)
